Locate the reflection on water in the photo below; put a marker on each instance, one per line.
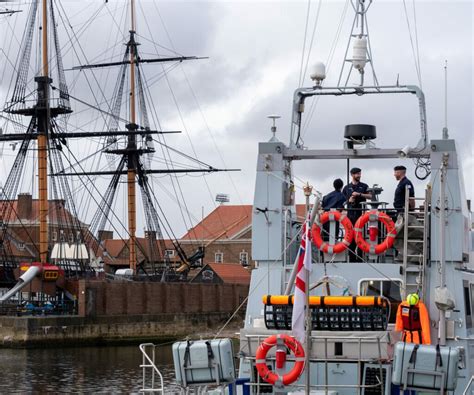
(85, 370)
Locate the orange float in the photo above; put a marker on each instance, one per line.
(261, 363)
(348, 232)
(363, 244)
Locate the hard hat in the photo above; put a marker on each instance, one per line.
(412, 299)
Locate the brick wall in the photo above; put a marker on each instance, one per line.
(99, 298)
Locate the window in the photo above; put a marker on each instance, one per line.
(387, 288)
(467, 303)
(244, 258)
(218, 257)
(169, 253)
(54, 235)
(21, 246)
(71, 238)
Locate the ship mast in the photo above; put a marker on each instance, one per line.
(43, 126)
(131, 147)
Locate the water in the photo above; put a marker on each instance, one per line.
(78, 370)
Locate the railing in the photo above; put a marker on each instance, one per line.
(149, 369)
(468, 386)
(325, 359)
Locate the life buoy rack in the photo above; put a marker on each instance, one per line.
(272, 377)
(378, 216)
(348, 232)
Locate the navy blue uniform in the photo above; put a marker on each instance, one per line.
(335, 199)
(399, 199)
(354, 210)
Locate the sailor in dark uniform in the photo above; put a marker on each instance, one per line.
(336, 198)
(404, 183)
(355, 193)
(333, 200)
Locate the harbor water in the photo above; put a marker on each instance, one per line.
(78, 370)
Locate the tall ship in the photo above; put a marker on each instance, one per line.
(72, 183)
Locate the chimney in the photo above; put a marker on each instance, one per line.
(150, 234)
(25, 206)
(105, 235)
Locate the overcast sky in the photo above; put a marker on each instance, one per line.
(255, 50)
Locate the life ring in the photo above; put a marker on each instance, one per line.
(348, 232)
(389, 226)
(272, 377)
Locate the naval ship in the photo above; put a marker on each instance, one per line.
(353, 298)
(351, 344)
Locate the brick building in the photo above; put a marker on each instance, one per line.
(226, 235)
(22, 219)
(222, 273)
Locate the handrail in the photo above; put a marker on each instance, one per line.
(468, 386)
(360, 340)
(154, 369)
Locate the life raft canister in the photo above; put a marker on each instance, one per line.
(389, 226)
(271, 377)
(348, 232)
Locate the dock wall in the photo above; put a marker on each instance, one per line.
(99, 298)
(129, 312)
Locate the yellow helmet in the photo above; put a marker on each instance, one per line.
(413, 299)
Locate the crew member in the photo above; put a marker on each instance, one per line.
(355, 193)
(413, 320)
(403, 183)
(333, 200)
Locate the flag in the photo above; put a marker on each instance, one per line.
(304, 262)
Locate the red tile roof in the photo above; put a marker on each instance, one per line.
(115, 246)
(226, 221)
(230, 273)
(222, 223)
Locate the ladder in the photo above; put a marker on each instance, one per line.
(416, 229)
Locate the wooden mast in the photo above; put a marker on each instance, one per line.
(43, 144)
(131, 175)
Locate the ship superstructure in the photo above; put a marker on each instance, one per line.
(350, 348)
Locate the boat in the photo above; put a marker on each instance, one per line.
(354, 337)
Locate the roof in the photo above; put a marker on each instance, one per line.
(222, 223)
(227, 221)
(57, 212)
(230, 273)
(114, 247)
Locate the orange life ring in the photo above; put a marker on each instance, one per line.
(389, 226)
(348, 232)
(272, 377)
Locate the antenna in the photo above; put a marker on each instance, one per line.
(445, 129)
(274, 128)
(362, 51)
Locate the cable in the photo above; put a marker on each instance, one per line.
(417, 65)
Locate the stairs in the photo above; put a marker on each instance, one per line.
(415, 244)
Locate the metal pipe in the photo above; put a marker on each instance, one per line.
(292, 278)
(442, 245)
(307, 192)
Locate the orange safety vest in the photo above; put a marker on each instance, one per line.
(414, 321)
